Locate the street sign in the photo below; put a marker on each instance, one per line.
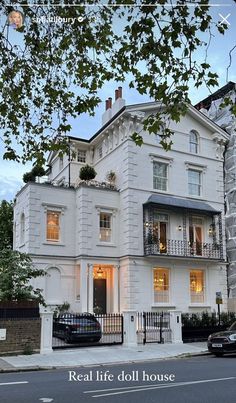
(219, 299)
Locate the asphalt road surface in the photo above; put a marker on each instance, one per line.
(205, 379)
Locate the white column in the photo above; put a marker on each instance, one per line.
(83, 286)
(116, 291)
(130, 335)
(176, 326)
(46, 315)
(90, 287)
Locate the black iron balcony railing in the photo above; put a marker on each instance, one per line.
(172, 247)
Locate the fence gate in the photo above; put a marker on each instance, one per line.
(153, 327)
(84, 330)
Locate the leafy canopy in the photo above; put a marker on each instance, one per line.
(51, 72)
(6, 224)
(16, 270)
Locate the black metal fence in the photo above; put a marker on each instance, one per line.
(80, 330)
(153, 327)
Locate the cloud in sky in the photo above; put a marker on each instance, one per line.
(8, 187)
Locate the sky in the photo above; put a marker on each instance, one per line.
(218, 56)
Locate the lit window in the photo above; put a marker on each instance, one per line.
(197, 286)
(161, 285)
(22, 228)
(193, 142)
(105, 227)
(81, 156)
(160, 175)
(53, 226)
(194, 182)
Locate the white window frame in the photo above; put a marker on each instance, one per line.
(57, 209)
(114, 234)
(166, 293)
(199, 185)
(155, 158)
(194, 145)
(200, 298)
(104, 229)
(162, 178)
(81, 156)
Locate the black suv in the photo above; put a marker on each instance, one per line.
(77, 327)
(223, 342)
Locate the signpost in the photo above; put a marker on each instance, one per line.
(219, 301)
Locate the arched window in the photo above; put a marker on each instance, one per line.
(22, 229)
(193, 142)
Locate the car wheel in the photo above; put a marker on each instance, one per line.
(219, 354)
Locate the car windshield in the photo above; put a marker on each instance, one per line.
(233, 326)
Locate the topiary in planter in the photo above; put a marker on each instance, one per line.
(28, 177)
(87, 173)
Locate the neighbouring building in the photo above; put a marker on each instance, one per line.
(223, 116)
(150, 239)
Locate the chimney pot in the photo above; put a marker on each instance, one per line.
(116, 94)
(107, 104)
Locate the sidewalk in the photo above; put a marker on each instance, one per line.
(99, 355)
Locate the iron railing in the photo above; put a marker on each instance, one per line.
(153, 327)
(182, 248)
(84, 329)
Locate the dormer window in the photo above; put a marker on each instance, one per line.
(194, 142)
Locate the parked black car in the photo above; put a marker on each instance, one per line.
(223, 342)
(82, 327)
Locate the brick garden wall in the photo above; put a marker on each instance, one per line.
(22, 335)
(23, 327)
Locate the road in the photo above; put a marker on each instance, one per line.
(205, 379)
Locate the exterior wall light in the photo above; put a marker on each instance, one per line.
(180, 228)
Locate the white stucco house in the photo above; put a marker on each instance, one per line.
(154, 241)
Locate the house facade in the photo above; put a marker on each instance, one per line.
(153, 240)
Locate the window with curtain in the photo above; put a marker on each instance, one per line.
(197, 286)
(161, 285)
(53, 226)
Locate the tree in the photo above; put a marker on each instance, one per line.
(53, 72)
(16, 271)
(6, 224)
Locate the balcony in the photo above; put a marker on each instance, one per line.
(182, 228)
(182, 249)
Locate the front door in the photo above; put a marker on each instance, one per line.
(99, 295)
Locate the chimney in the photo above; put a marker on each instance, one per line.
(119, 92)
(109, 103)
(111, 110)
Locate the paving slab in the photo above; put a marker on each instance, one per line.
(99, 355)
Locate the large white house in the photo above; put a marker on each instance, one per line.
(154, 241)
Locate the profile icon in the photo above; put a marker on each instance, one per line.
(15, 19)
